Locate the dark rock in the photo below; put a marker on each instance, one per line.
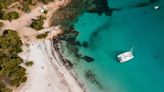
(68, 64)
(88, 59)
(78, 43)
(100, 7)
(91, 76)
(153, 1)
(85, 44)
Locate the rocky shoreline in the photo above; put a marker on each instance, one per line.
(57, 47)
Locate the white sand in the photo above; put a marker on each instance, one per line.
(47, 74)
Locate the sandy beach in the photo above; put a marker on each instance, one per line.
(47, 74)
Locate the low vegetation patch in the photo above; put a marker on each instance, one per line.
(29, 63)
(11, 71)
(42, 36)
(46, 1)
(9, 16)
(38, 23)
(1, 24)
(26, 7)
(5, 3)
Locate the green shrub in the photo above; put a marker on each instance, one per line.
(45, 11)
(25, 7)
(28, 1)
(11, 71)
(42, 36)
(10, 41)
(3, 88)
(38, 23)
(5, 3)
(13, 15)
(29, 63)
(1, 24)
(46, 1)
(9, 16)
(3, 15)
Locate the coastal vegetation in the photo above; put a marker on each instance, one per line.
(9, 16)
(11, 71)
(28, 1)
(46, 1)
(26, 7)
(29, 63)
(3, 88)
(5, 3)
(1, 24)
(38, 23)
(13, 15)
(45, 11)
(42, 36)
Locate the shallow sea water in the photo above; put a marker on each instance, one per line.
(142, 28)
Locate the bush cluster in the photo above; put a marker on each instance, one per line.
(38, 23)
(46, 1)
(42, 36)
(29, 63)
(5, 3)
(1, 24)
(11, 71)
(9, 16)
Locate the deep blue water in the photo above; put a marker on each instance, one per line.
(142, 28)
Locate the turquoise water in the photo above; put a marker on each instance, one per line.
(142, 28)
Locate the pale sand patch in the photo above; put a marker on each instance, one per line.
(47, 74)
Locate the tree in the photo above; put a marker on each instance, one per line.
(9, 16)
(28, 1)
(13, 15)
(46, 1)
(11, 71)
(38, 23)
(3, 88)
(25, 7)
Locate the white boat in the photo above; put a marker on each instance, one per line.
(126, 56)
(156, 7)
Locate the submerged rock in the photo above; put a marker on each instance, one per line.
(91, 76)
(88, 59)
(144, 4)
(85, 44)
(100, 7)
(153, 1)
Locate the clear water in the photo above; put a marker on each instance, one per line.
(142, 28)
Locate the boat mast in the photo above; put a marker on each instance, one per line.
(131, 50)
